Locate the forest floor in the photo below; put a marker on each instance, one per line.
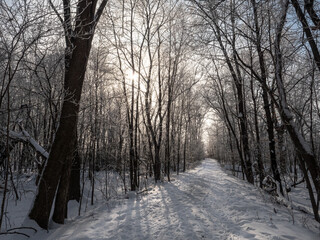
(204, 203)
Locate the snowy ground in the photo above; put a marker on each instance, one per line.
(204, 203)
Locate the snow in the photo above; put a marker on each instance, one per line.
(204, 203)
(36, 146)
(25, 136)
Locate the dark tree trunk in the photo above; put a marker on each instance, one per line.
(280, 129)
(131, 158)
(74, 189)
(167, 147)
(244, 134)
(58, 165)
(270, 124)
(258, 143)
(179, 140)
(186, 130)
(157, 164)
(272, 143)
(60, 207)
(184, 151)
(40, 211)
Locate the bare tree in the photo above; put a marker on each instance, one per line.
(79, 33)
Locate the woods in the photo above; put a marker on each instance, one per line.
(271, 73)
(142, 90)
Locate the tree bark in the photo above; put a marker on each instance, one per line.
(74, 189)
(77, 52)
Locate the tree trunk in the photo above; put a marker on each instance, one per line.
(74, 189)
(258, 143)
(167, 147)
(47, 187)
(60, 208)
(77, 52)
(246, 159)
(270, 124)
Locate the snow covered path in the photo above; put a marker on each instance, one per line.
(204, 203)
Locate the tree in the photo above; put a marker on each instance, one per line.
(303, 148)
(227, 43)
(262, 45)
(79, 32)
(17, 37)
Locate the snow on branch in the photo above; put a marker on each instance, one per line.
(24, 136)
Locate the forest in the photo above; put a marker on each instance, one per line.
(136, 92)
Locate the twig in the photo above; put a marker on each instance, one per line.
(6, 233)
(35, 230)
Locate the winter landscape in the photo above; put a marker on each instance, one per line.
(204, 203)
(159, 119)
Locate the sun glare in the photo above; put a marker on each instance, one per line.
(133, 76)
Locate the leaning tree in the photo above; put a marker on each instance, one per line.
(79, 30)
